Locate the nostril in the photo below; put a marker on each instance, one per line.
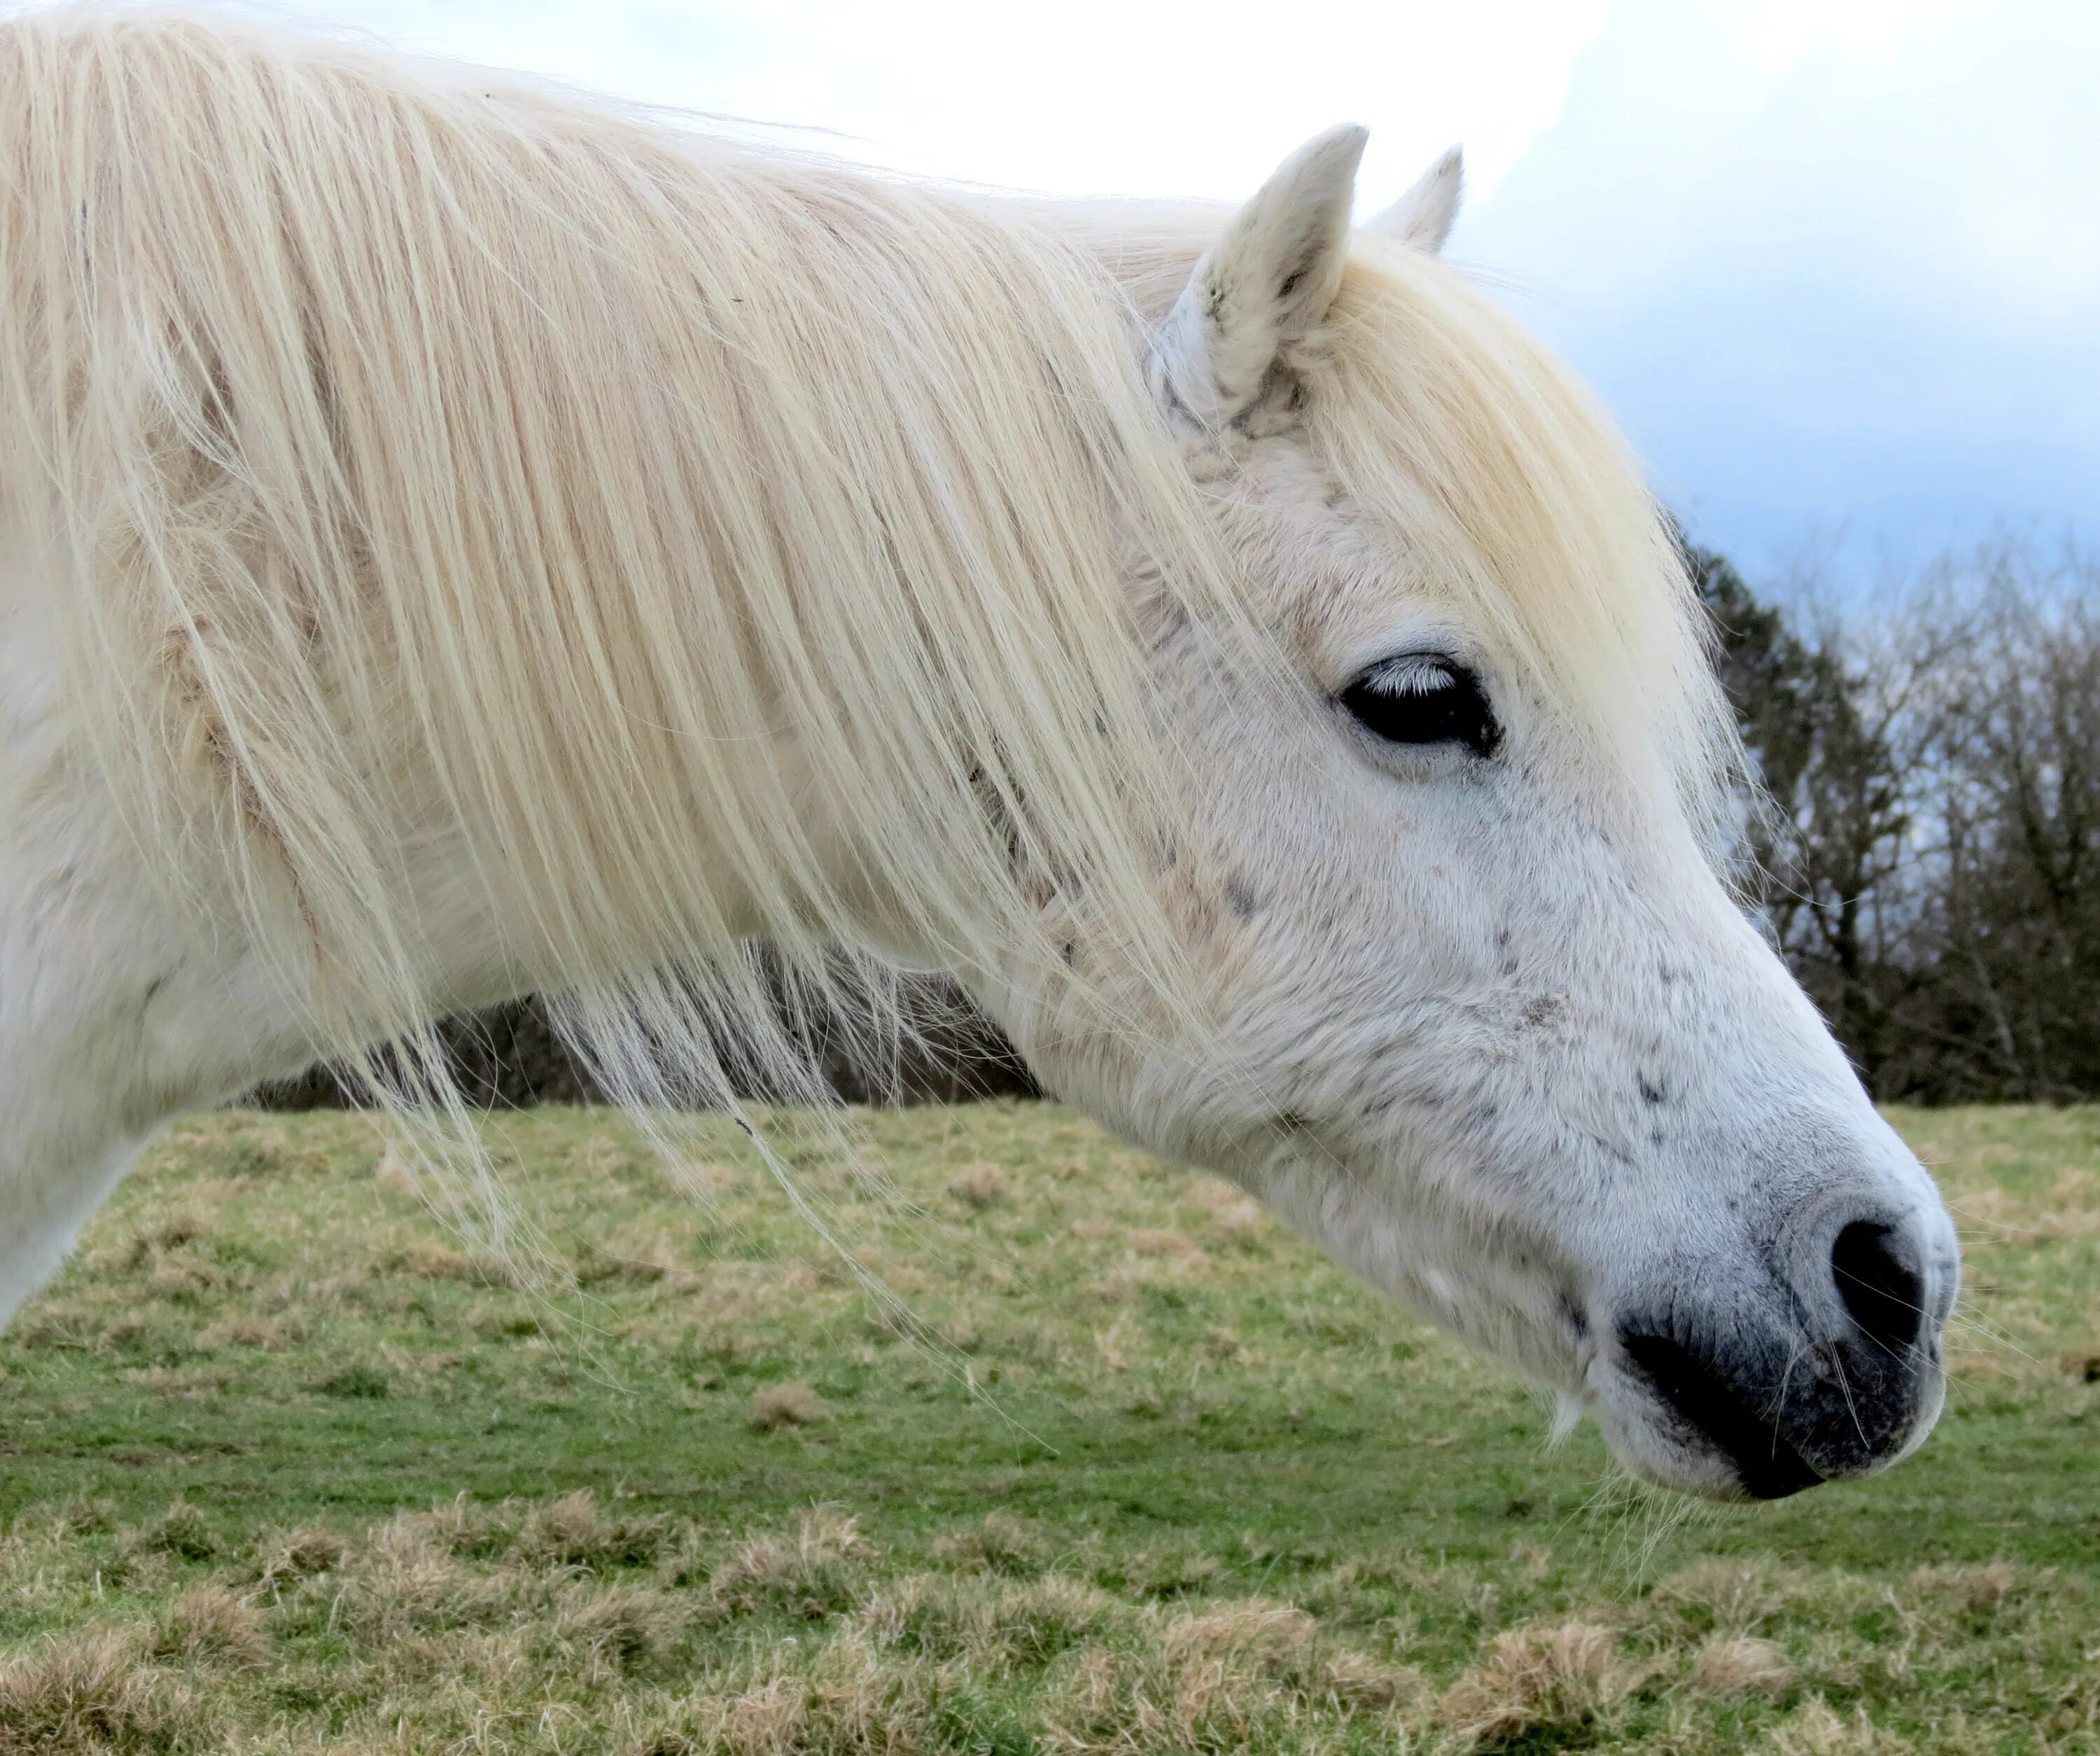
(1879, 1281)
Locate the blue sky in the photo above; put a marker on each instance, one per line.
(1834, 264)
(1848, 295)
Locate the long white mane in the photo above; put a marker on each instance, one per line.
(694, 542)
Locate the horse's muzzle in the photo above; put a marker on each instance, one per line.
(1791, 1380)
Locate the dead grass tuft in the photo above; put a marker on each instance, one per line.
(981, 1187)
(595, 1266)
(1719, 1595)
(618, 1623)
(1274, 1639)
(190, 1383)
(161, 1236)
(1031, 1624)
(182, 1530)
(182, 1277)
(1241, 1676)
(572, 1532)
(242, 1330)
(1537, 1679)
(1094, 1711)
(1360, 1679)
(791, 1404)
(922, 1612)
(454, 1662)
(1244, 1224)
(1969, 1590)
(1000, 1544)
(847, 1704)
(92, 1690)
(422, 1259)
(408, 1578)
(212, 1625)
(938, 1618)
(823, 1573)
(1737, 1664)
(568, 1525)
(1816, 1729)
(394, 1174)
(302, 1552)
(766, 1721)
(83, 1517)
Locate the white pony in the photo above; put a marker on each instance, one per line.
(458, 540)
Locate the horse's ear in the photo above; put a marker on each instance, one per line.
(1421, 217)
(1261, 288)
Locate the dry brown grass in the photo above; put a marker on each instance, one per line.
(1237, 1220)
(1537, 1678)
(822, 1572)
(406, 1579)
(212, 1624)
(190, 1383)
(1274, 1639)
(424, 1260)
(803, 1642)
(767, 1720)
(1011, 1626)
(618, 1623)
(790, 1404)
(1361, 1680)
(1002, 1543)
(1817, 1729)
(1249, 1674)
(244, 1329)
(982, 1186)
(1722, 1595)
(92, 1690)
(1967, 1588)
(848, 1702)
(182, 1530)
(1737, 1664)
(299, 1553)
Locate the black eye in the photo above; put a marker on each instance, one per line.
(1422, 698)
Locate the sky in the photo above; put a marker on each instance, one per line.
(1835, 265)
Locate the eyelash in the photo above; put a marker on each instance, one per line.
(1420, 699)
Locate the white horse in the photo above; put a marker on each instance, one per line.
(462, 539)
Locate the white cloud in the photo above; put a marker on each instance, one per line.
(1856, 283)
(1094, 96)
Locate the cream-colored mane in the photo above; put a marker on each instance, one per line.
(668, 528)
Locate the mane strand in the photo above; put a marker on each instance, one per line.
(700, 543)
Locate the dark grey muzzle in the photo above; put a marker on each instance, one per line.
(1800, 1377)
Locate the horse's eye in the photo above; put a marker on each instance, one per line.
(1421, 697)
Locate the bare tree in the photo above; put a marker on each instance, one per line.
(2013, 934)
(1926, 844)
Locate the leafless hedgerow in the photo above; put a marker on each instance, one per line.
(1926, 847)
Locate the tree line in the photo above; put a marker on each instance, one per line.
(1919, 834)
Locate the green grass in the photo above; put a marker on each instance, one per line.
(285, 1464)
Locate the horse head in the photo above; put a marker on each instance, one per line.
(1482, 1017)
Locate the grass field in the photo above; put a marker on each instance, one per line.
(285, 1464)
